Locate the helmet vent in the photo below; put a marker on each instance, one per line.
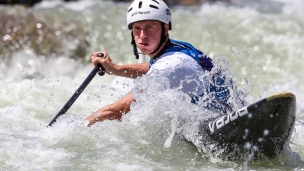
(140, 4)
(152, 6)
(156, 1)
(130, 9)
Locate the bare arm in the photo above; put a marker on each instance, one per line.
(129, 70)
(112, 111)
(122, 106)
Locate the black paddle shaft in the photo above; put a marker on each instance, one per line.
(66, 107)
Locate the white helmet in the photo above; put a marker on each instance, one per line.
(141, 10)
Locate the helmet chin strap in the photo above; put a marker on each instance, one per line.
(163, 39)
(135, 52)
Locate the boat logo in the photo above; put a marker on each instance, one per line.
(224, 120)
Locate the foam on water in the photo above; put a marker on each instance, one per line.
(265, 54)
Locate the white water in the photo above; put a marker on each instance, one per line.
(264, 49)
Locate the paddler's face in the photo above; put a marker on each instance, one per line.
(147, 35)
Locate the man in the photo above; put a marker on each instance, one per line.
(178, 63)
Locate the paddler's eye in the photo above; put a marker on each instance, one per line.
(149, 27)
(136, 28)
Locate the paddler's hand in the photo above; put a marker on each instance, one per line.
(92, 119)
(105, 61)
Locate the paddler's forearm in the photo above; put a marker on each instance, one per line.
(112, 111)
(105, 113)
(131, 70)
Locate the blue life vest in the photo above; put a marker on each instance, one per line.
(178, 46)
(218, 90)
